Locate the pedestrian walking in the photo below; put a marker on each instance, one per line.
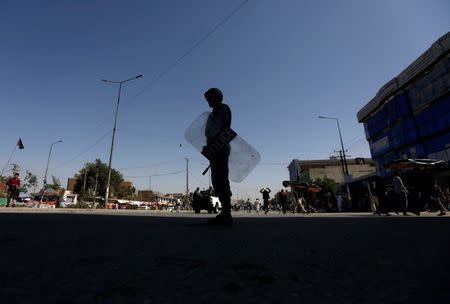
(380, 193)
(13, 184)
(265, 193)
(301, 204)
(282, 201)
(435, 197)
(257, 205)
(292, 201)
(400, 191)
(248, 206)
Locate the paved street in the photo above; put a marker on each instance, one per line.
(119, 256)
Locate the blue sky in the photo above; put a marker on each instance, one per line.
(280, 64)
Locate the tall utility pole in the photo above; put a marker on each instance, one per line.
(84, 184)
(340, 137)
(342, 162)
(95, 186)
(187, 181)
(46, 168)
(343, 153)
(114, 131)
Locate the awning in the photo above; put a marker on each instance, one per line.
(310, 187)
(412, 163)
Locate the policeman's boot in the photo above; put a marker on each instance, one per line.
(223, 218)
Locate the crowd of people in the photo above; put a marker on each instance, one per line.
(291, 201)
(421, 192)
(413, 193)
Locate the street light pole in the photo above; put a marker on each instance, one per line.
(114, 132)
(187, 181)
(46, 168)
(342, 147)
(343, 152)
(340, 137)
(150, 181)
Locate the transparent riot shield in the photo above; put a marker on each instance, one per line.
(243, 157)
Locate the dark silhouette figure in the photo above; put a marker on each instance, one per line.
(420, 181)
(196, 195)
(219, 121)
(434, 196)
(400, 191)
(248, 206)
(380, 192)
(13, 184)
(282, 200)
(265, 193)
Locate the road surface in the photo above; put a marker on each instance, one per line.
(119, 256)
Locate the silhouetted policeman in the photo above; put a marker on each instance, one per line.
(218, 121)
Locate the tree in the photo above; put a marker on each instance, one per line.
(326, 184)
(126, 192)
(90, 169)
(55, 185)
(31, 181)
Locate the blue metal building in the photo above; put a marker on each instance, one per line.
(410, 115)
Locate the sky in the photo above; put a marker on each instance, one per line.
(280, 64)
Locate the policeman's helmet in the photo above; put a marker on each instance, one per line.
(214, 95)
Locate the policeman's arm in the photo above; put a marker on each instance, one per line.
(224, 121)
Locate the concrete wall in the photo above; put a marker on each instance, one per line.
(335, 172)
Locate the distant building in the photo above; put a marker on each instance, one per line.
(69, 198)
(304, 170)
(71, 182)
(126, 184)
(409, 117)
(175, 195)
(145, 195)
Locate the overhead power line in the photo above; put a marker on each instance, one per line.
(151, 165)
(192, 48)
(82, 152)
(147, 176)
(162, 74)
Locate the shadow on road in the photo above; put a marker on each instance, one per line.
(74, 258)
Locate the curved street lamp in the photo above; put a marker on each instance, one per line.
(114, 130)
(340, 137)
(46, 168)
(344, 159)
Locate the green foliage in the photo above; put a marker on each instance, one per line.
(55, 185)
(90, 169)
(126, 193)
(79, 205)
(304, 177)
(327, 184)
(30, 181)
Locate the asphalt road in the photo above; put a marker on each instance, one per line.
(146, 257)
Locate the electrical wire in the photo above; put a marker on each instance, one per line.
(82, 152)
(163, 73)
(147, 176)
(186, 53)
(151, 165)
